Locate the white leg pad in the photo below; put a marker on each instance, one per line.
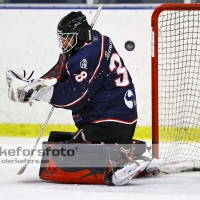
(154, 165)
(143, 164)
(124, 175)
(128, 172)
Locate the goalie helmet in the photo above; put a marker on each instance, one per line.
(72, 31)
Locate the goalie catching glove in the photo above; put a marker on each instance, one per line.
(24, 91)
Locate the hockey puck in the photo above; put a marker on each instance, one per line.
(129, 45)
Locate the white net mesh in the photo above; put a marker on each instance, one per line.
(179, 86)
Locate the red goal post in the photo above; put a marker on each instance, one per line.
(176, 84)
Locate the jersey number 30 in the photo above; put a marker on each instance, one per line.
(115, 64)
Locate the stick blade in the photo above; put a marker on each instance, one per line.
(22, 169)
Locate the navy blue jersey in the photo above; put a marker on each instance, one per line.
(96, 85)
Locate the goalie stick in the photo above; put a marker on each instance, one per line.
(22, 169)
(96, 15)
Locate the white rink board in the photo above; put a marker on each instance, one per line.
(28, 41)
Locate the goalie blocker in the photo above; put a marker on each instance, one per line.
(106, 164)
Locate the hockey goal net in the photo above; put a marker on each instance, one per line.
(176, 86)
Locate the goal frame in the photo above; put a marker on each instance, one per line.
(154, 66)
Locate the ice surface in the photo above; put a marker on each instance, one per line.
(29, 186)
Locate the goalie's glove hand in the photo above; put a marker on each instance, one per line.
(42, 89)
(22, 90)
(16, 83)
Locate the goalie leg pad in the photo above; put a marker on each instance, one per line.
(128, 172)
(154, 165)
(88, 163)
(76, 163)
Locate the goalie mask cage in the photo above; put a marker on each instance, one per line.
(176, 86)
